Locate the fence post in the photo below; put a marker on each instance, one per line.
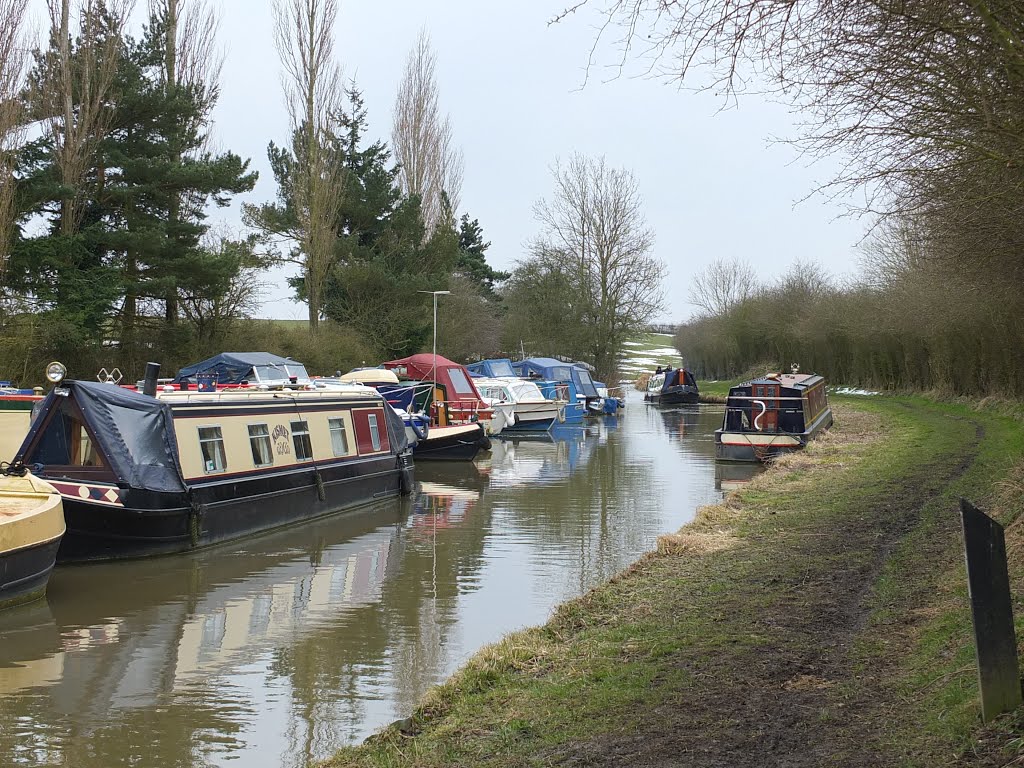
(988, 585)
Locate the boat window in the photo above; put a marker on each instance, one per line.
(374, 431)
(300, 439)
(525, 391)
(267, 373)
(460, 382)
(339, 437)
(259, 441)
(211, 443)
(561, 373)
(298, 370)
(495, 393)
(502, 368)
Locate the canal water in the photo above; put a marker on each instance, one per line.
(279, 649)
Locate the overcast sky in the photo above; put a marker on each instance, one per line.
(713, 182)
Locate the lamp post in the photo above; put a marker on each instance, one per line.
(433, 365)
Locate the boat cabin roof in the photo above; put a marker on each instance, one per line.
(492, 368)
(458, 384)
(236, 367)
(798, 381)
(556, 370)
(369, 376)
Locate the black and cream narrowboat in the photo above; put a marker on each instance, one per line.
(144, 475)
(771, 416)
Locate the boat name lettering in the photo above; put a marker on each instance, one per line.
(281, 445)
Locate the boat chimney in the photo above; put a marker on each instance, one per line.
(152, 374)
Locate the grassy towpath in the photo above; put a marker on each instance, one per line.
(816, 618)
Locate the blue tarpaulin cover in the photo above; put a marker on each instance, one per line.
(555, 370)
(232, 367)
(134, 432)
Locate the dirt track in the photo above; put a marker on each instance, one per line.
(795, 698)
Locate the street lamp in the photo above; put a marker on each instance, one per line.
(435, 294)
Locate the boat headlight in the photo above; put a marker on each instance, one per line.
(55, 372)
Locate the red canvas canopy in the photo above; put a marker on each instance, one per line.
(461, 395)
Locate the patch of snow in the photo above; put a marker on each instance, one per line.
(853, 391)
(663, 351)
(633, 343)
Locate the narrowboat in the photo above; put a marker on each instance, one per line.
(147, 473)
(531, 411)
(672, 386)
(772, 416)
(401, 397)
(31, 527)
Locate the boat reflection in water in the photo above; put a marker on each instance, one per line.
(545, 458)
(732, 477)
(146, 640)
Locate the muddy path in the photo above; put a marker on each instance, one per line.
(790, 690)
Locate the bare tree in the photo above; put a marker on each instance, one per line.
(595, 223)
(75, 101)
(313, 94)
(423, 141)
(213, 306)
(723, 284)
(13, 56)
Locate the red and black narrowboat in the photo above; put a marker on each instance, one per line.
(145, 475)
(771, 416)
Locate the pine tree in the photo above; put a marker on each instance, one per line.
(143, 204)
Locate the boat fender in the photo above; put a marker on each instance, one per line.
(484, 442)
(321, 489)
(406, 474)
(195, 520)
(757, 419)
(421, 434)
(561, 415)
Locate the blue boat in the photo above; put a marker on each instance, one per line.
(492, 369)
(561, 380)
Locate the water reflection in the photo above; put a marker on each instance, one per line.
(276, 651)
(731, 476)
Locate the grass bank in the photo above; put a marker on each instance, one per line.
(818, 617)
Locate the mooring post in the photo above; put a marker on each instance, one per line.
(988, 585)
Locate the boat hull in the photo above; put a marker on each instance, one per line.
(680, 395)
(530, 424)
(452, 444)
(765, 446)
(159, 524)
(25, 572)
(31, 526)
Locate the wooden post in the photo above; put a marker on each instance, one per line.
(988, 585)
